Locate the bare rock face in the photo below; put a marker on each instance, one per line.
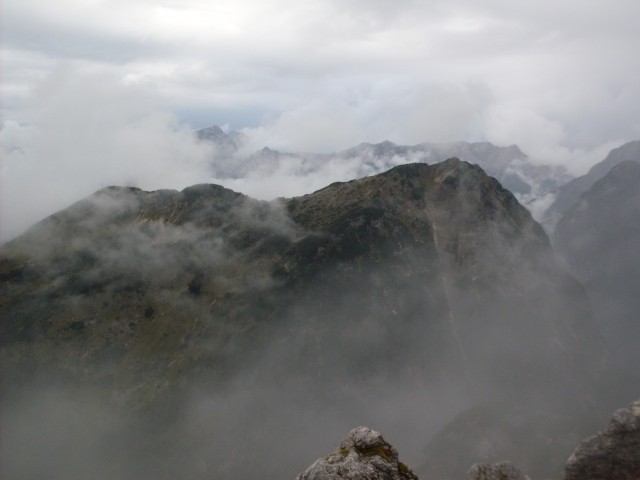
(363, 455)
(610, 455)
(496, 471)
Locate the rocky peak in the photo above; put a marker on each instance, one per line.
(210, 133)
(227, 143)
(363, 455)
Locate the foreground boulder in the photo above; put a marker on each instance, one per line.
(610, 455)
(363, 455)
(496, 471)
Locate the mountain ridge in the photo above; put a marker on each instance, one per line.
(569, 194)
(427, 282)
(508, 164)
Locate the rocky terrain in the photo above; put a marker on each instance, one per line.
(613, 454)
(215, 327)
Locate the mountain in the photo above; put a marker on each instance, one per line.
(569, 194)
(509, 165)
(227, 143)
(599, 237)
(194, 333)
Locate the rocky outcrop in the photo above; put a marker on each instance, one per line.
(496, 471)
(363, 455)
(610, 455)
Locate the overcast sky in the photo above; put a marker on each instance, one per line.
(105, 91)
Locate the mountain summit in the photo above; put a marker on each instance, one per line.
(235, 321)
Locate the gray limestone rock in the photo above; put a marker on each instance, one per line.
(363, 455)
(496, 471)
(610, 455)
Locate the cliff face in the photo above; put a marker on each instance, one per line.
(424, 278)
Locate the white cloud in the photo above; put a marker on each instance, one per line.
(84, 133)
(313, 128)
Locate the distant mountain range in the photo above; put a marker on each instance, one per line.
(509, 165)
